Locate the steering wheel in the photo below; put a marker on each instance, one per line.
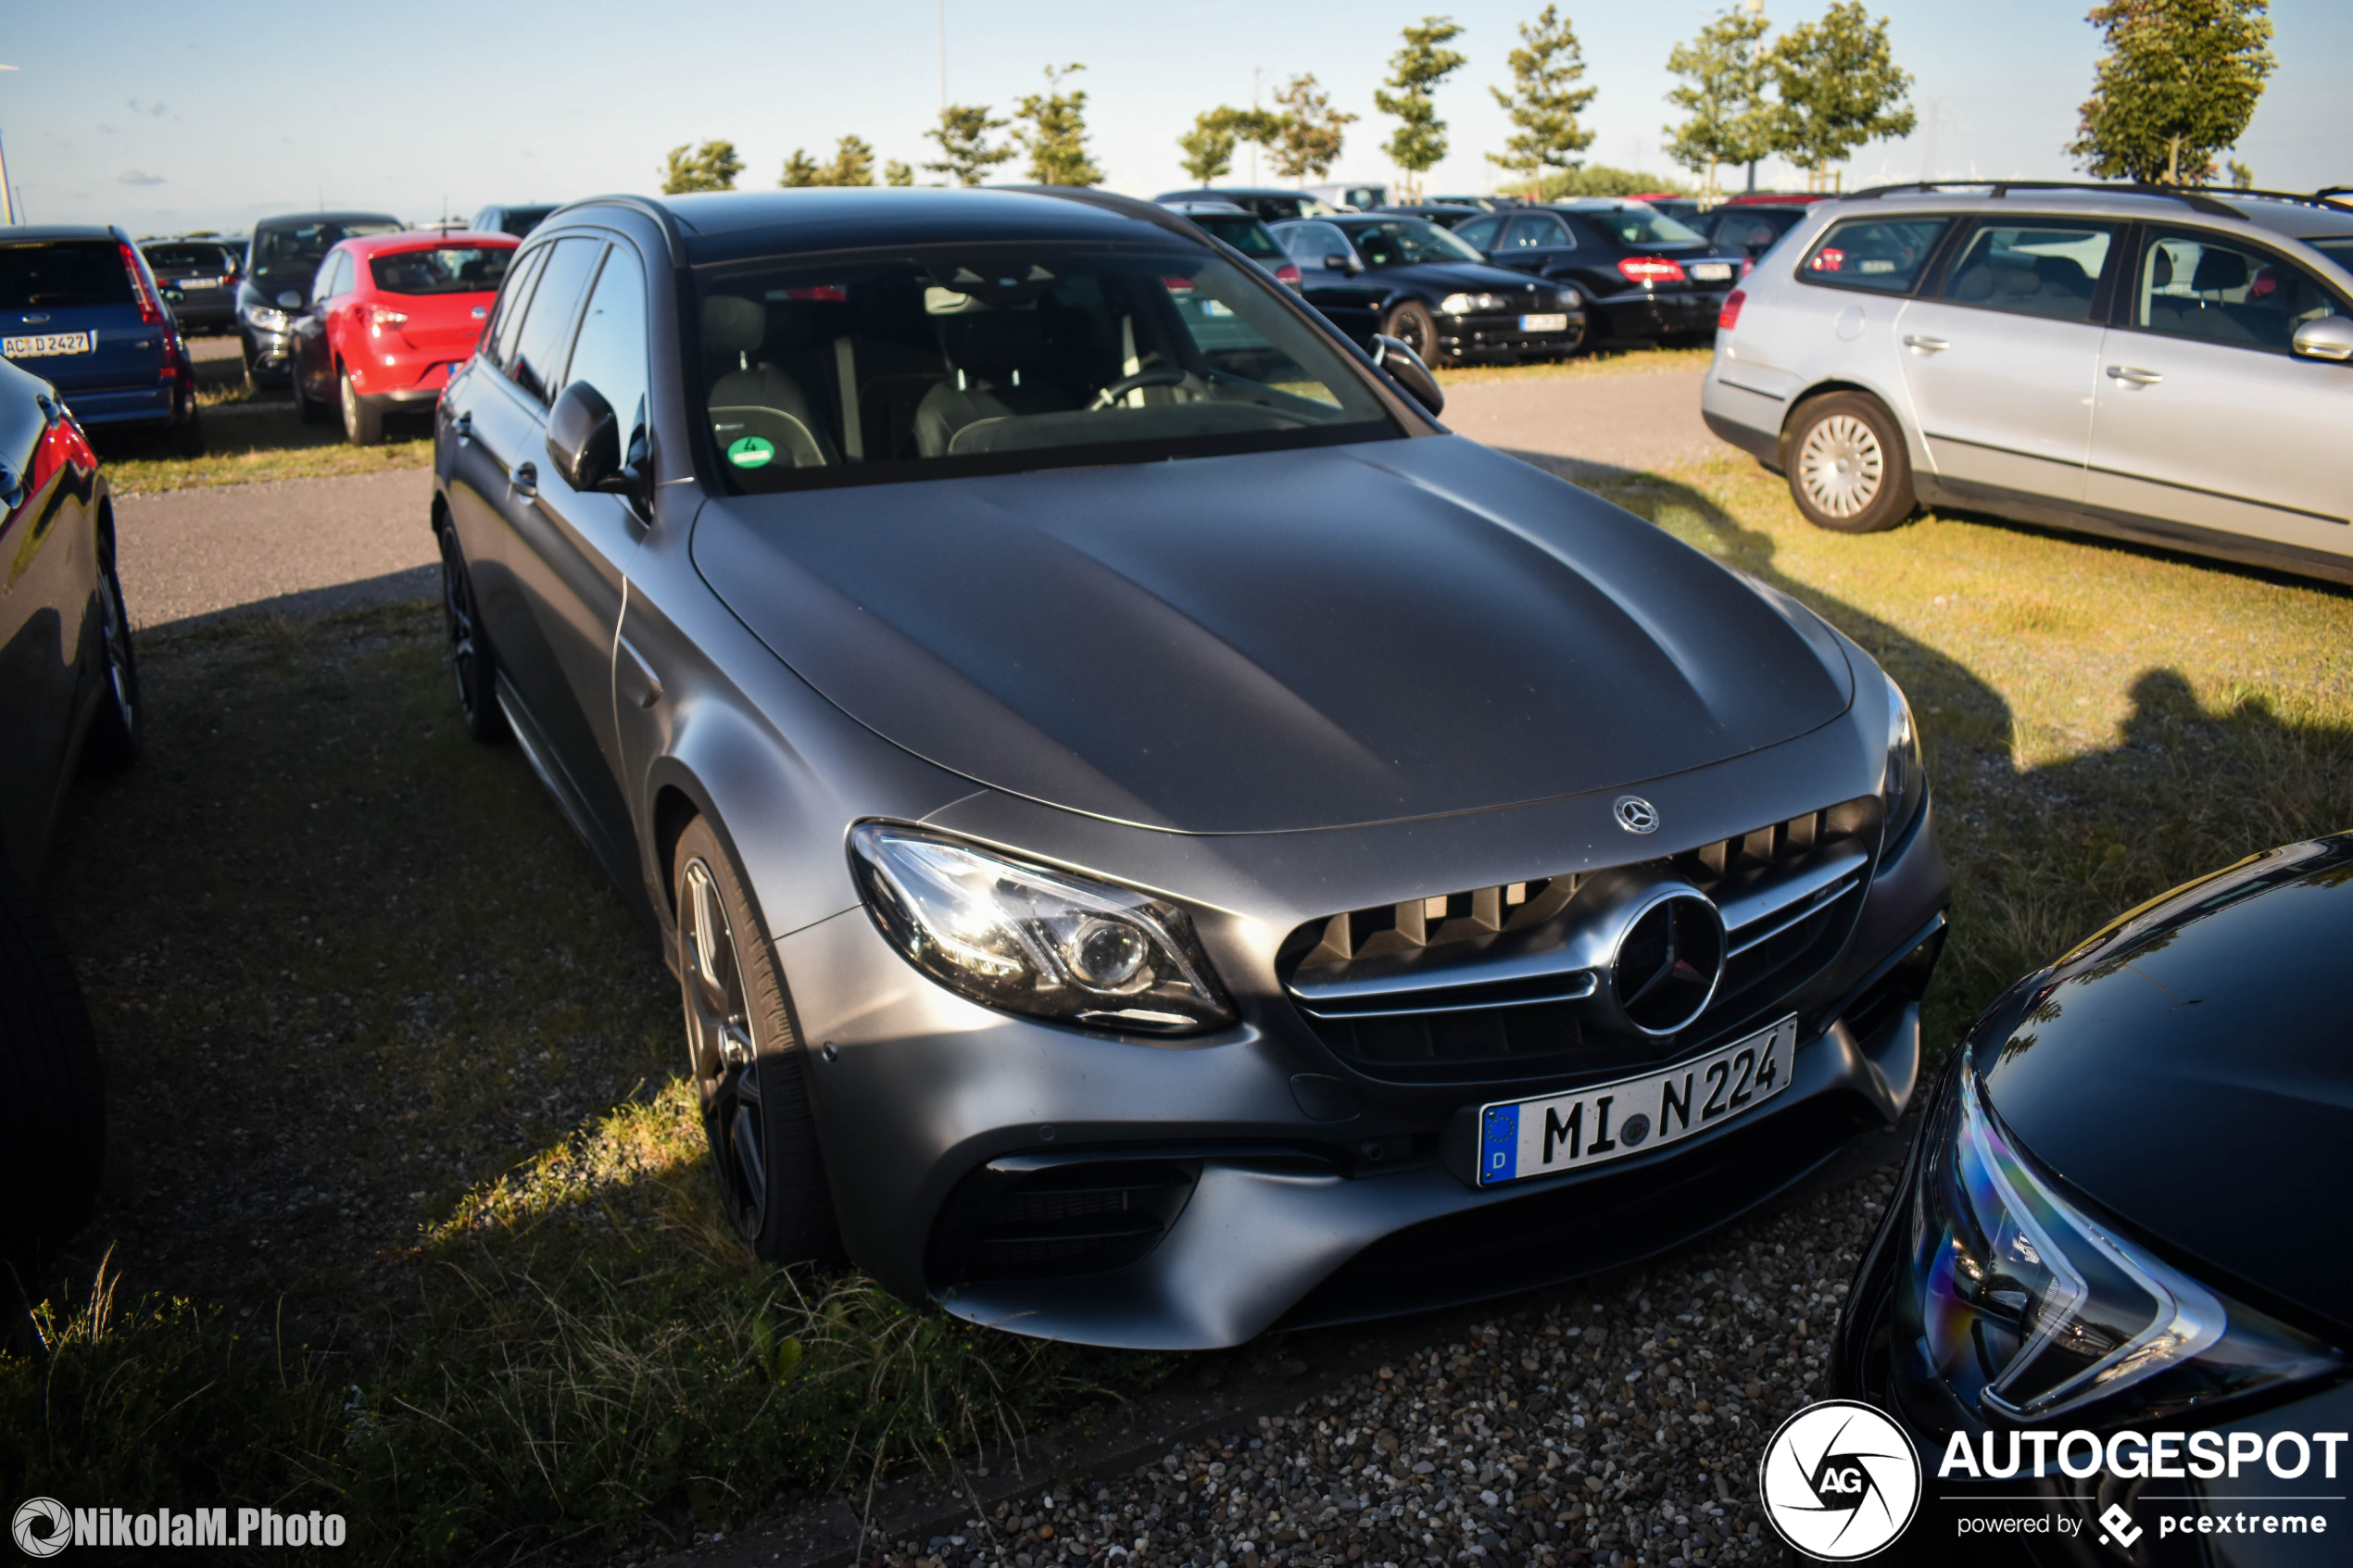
(1159, 375)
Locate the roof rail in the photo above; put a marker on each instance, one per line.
(2194, 197)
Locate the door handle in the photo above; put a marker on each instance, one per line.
(462, 427)
(2134, 374)
(1925, 345)
(525, 480)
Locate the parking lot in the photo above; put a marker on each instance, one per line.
(429, 1136)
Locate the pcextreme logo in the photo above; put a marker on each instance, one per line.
(1840, 1481)
(44, 1527)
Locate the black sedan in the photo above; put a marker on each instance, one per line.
(1155, 835)
(68, 700)
(2120, 1244)
(199, 280)
(1413, 281)
(1643, 274)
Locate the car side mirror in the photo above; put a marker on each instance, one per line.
(1406, 368)
(289, 300)
(2325, 337)
(583, 441)
(1335, 262)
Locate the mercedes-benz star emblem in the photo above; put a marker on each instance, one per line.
(1636, 814)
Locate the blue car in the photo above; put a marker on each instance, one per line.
(80, 308)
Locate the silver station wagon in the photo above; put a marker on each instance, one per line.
(2170, 367)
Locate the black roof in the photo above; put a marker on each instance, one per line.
(59, 232)
(296, 219)
(720, 226)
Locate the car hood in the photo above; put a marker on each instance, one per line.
(1446, 277)
(2189, 1071)
(1273, 642)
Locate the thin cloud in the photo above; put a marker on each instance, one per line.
(136, 177)
(156, 109)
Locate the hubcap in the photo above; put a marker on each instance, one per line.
(117, 635)
(1841, 465)
(457, 603)
(350, 408)
(719, 1046)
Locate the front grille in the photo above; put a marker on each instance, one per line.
(1505, 982)
(1027, 1217)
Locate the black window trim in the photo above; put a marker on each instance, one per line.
(2119, 314)
(1931, 289)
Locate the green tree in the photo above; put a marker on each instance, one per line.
(965, 155)
(1545, 101)
(1306, 138)
(898, 173)
(711, 167)
(1838, 87)
(2178, 83)
(1604, 179)
(1729, 117)
(1056, 133)
(853, 163)
(800, 171)
(1416, 71)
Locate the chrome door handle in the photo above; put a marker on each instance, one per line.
(525, 481)
(1925, 345)
(2132, 373)
(462, 427)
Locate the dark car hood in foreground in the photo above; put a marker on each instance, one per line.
(1290, 640)
(1451, 276)
(2191, 1071)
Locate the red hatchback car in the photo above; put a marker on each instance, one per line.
(390, 316)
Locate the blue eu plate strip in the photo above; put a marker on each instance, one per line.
(1499, 1144)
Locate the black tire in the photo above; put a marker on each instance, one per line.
(1411, 323)
(363, 423)
(308, 409)
(1848, 468)
(749, 1070)
(52, 1109)
(118, 730)
(187, 436)
(473, 666)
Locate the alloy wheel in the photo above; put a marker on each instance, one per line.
(458, 615)
(121, 676)
(350, 408)
(719, 1046)
(1841, 465)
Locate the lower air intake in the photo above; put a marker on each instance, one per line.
(1037, 1216)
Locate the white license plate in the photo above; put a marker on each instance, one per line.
(1544, 323)
(46, 343)
(1544, 1137)
(199, 282)
(1713, 272)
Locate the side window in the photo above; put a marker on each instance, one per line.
(1534, 231)
(2031, 269)
(1880, 254)
(1480, 232)
(1310, 243)
(547, 324)
(322, 286)
(2193, 284)
(501, 334)
(610, 354)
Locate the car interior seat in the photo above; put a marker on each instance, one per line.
(988, 352)
(750, 398)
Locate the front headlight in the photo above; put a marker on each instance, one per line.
(1903, 786)
(2027, 1308)
(1571, 299)
(1473, 304)
(1034, 941)
(264, 318)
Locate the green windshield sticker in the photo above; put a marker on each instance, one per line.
(752, 452)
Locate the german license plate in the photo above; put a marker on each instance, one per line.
(1544, 323)
(1544, 1137)
(1713, 272)
(46, 343)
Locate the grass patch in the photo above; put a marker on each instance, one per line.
(1607, 359)
(252, 446)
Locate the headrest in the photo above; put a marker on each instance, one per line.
(992, 343)
(2219, 269)
(2161, 273)
(733, 325)
(2061, 274)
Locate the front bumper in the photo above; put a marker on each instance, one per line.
(1489, 338)
(1289, 1188)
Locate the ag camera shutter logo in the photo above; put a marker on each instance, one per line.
(1840, 1482)
(43, 1527)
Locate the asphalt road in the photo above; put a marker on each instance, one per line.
(312, 546)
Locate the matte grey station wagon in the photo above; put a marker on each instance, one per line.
(1156, 837)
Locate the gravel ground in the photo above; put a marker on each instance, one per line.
(1620, 1425)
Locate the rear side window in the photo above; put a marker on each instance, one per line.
(1480, 232)
(444, 269)
(1880, 254)
(546, 325)
(62, 275)
(2031, 269)
(2195, 285)
(1640, 226)
(499, 341)
(1245, 234)
(1535, 230)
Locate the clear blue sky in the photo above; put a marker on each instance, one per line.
(174, 116)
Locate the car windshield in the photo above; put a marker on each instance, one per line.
(292, 251)
(1640, 226)
(443, 269)
(2338, 248)
(862, 368)
(60, 274)
(1244, 234)
(1407, 242)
